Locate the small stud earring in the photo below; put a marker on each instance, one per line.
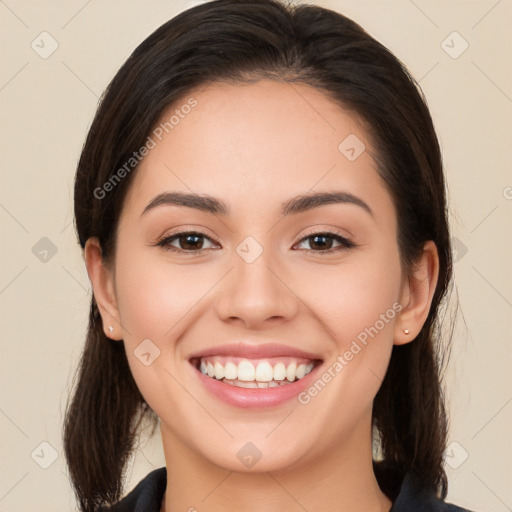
(406, 331)
(110, 329)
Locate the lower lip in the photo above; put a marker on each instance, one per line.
(260, 398)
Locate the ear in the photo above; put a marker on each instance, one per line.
(416, 295)
(102, 280)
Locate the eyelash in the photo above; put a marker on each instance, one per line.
(345, 242)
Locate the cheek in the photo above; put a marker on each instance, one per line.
(355, 296)
(154, 296)
(359, 311)
(359, 315)
(154, 300)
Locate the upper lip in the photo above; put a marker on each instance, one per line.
(255, 351)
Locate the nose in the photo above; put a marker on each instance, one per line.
(255, 293)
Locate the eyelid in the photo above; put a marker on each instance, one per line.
(326, 231)
(186, 229)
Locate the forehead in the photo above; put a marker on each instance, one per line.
(253, 144)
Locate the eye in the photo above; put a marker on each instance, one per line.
(187, 241)
(319, 239)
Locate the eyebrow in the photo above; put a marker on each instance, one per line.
(297, 204)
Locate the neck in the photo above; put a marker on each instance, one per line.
(340, 479)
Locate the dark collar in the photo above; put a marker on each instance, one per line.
(147, 496)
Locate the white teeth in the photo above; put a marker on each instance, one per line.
(264, 372)
(301, 371)
(290, 372)
(230, 370)
(262, 376)
(242, 384)
(254, 384)
(219, 371)
(246, 371)
(279, 371)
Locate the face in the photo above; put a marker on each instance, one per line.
(263, 286)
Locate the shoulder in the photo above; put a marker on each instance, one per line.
(146, 496)
(414, 498)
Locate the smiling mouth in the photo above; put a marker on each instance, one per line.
(255, 373)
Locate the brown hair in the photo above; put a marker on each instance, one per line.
(240, 41)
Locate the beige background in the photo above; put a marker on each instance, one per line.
(47, 105)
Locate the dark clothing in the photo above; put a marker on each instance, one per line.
(147, 496)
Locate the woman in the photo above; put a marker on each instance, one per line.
(261, 206)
